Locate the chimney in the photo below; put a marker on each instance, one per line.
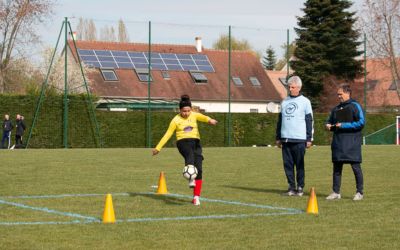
(73, 35)
(198, 44)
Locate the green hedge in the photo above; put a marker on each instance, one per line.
(128, 129)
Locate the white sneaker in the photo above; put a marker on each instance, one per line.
(196, 201)
(192, 183)
(290, 193)
(358, 196)
(300, 192)
(333, 196)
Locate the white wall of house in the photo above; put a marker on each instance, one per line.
(238, 107)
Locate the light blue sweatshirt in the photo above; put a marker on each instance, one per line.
(295, 120)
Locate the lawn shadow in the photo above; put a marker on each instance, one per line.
(167, 199)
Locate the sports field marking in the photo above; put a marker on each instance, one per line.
(47, 210)
(88, 219)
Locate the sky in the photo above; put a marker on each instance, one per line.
(261, 22)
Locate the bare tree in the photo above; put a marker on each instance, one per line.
(17, 21)
(86, 30)
(80, 27)
(107, 34)
(75, 81)
(380, 20)
(91, 32)
(123, 36)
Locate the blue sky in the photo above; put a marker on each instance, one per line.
(261, 22)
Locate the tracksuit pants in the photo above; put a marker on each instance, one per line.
(337, 176)
(293, 155)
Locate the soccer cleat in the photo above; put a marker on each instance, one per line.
(358, 196)
(196, 201)
(300, 191)
(333, 196)
(192, 183)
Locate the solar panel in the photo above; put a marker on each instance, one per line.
(139, 60)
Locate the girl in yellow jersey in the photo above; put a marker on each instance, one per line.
(188, 141)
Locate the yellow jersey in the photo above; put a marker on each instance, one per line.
(185, 128)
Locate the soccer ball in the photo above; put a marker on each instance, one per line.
(190, 172)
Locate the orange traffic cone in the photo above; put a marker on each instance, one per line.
(312, 206)
(108, 215)
(162, 185)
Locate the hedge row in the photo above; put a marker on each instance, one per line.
(128, 129)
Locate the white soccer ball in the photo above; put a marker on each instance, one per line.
(190, 172)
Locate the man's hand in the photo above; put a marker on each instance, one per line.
(212, 122)
(155, 151)
(278, 143)
(309, 144)
(328, 127)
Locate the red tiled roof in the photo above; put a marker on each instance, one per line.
(244, 64)
(380, 79)
(274, 77)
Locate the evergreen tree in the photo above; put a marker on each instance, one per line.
(269, 60)
(326, 45)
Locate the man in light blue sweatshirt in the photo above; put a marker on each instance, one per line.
(294, 134)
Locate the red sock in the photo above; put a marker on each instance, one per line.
(197, 188)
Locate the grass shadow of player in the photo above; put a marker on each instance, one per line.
(260, 190)
(167, 199)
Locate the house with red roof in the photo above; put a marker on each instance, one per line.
(121, 76)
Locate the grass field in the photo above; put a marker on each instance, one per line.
(54, 199)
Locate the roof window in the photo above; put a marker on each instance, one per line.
(109, 75)
(143, 75)
(237, 81)
(254, 81)
(198, 77)
(165, 75)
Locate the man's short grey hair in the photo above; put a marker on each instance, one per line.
(294, 80)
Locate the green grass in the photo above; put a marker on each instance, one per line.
(246, 175)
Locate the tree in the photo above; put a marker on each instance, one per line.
(55, 82)
(86, 30)
(269, 60)
(123, 36)
(223, 43)
(108, 34)
(282, 62)
(380, 20)
(326, 45)
(17, 21)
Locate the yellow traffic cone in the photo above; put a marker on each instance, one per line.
(312, 206)
(108, 215)
(162, 185)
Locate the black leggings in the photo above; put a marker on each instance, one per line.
(191, 150)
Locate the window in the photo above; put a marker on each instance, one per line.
(198, 77)
(393, 86)
(165, 75)
(109, 75)
(143, 75)
(237, 81)
(254, 81)
(253, 110)
(283, 80)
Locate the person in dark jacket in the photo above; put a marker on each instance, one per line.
(7, 127)
(20, 129)
(346, 122)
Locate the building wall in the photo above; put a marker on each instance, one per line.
(242, 107)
